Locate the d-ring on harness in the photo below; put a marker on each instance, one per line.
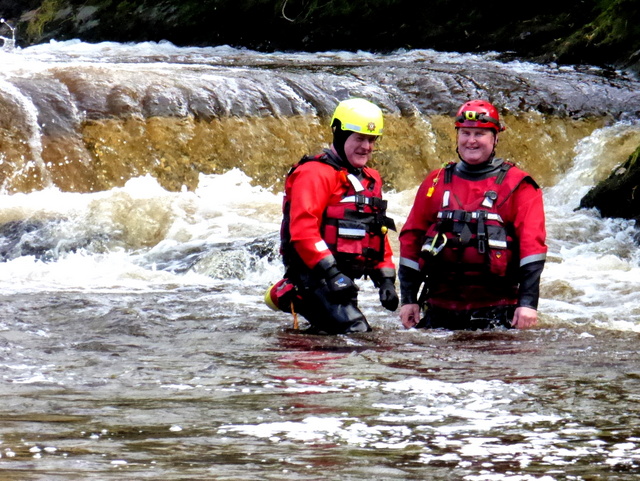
(432, 248)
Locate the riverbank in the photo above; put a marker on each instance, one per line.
(600, 33)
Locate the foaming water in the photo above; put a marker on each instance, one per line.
(592, 261)
(141, 236)
(137, 236)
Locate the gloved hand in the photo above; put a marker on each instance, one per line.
(388, 295)
(341, 287)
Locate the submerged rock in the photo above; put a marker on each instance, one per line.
(618, 195)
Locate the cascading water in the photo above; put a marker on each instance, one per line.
(8, 44)
(138, 231)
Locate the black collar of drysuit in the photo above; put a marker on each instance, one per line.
(338, 162)
(478, 171)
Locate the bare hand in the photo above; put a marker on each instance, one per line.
(410, 315)
(524, 318)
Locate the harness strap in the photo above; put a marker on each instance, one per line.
(504, 168)
(448, 172)
(458, 242)
(482, 232)
(464, 216)
(355, 183)
(359, 199)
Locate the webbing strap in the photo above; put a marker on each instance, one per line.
(448, 172)
(360, 199)
(504, 168)
(464, 216)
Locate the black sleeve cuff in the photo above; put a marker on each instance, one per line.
(378, 275)
(529, 291)
(410, 281)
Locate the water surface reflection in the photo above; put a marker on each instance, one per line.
(188, 383)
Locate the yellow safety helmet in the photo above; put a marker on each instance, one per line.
(268, 298)
(358, 115)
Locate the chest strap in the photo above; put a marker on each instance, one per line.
(464, 216)
(359, 199)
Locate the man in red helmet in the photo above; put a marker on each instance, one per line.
(475, 236)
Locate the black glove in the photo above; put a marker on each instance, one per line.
(341, 287)
(388, 295)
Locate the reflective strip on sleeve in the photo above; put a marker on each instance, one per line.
(409, 263)
(534, 258)
(322, 246)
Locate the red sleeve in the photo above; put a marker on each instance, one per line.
(529, 223)
(311, 186)
(420, 218)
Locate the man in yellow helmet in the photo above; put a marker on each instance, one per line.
(334, 227)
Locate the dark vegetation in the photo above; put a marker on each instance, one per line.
(595, 32)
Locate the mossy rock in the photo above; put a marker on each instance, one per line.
(619, 194)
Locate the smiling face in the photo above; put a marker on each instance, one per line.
(475, 145)
(358, 148)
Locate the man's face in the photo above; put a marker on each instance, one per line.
(358, 148)
(475, 145)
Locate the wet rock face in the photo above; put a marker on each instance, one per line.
(75, 117)
(619, 194)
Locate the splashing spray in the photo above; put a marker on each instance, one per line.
(9, 43)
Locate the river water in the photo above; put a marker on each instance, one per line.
(134, 343)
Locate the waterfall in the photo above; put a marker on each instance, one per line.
(87, 118)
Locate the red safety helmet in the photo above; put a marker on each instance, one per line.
(479, 114)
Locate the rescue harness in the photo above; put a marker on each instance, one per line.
(466, 243)
(354, 229)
